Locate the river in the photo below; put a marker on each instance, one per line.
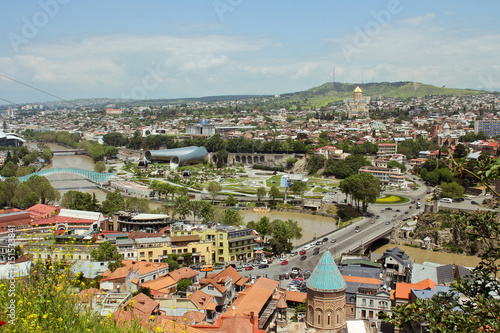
(312, 225)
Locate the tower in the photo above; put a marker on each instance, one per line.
(358, 93)
(326, 300)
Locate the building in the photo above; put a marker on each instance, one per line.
(387, 149)
(326, 298)
(357, 107)
(177, 156)
(11, 140)
(229, 243)
(488, 127)
(127, 222)
(397, 264)
(387, 176)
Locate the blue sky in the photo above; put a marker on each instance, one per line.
(168, 49)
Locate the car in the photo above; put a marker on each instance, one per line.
(388, 208)
(387, 222)
(302, 252)
(333, 240)
(284, 262)
(316, 251)
(307, 247)
(395, 215)
(413, 201)
(319, 243)
(372, 221)
(410, 207)
(398, 210)
(474, 202)
(381, 210)
(248, 268)
(296, 269)
(263, 266)
(325, 240)
(377, 217)
(293, 254)
(303, 258)
(357, 229)
(406, 212)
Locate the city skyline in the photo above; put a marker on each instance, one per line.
(153, 49)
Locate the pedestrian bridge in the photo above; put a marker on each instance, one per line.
(92, 176)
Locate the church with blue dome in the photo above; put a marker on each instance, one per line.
(326, 299)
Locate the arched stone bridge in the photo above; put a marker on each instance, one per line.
(255, 158)
(92, 176)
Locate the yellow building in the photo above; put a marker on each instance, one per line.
(154, 251)
(358, 105)
(229, 243)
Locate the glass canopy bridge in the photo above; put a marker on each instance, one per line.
(92, 176)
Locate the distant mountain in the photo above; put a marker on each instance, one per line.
(333, 92)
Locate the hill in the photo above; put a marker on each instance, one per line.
(333, 92)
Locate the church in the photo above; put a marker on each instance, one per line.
(326, 298)
(357, 107)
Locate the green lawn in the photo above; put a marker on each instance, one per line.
(392, 199)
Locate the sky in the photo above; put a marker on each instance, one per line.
(172, 49)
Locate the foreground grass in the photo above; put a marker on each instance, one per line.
(392, 199)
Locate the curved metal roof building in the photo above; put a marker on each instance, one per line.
(177, 156)
(11, 139)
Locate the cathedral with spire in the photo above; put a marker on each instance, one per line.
(357, 107)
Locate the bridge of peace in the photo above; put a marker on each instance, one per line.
(92, 176)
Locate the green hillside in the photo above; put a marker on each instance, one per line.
(333, 92)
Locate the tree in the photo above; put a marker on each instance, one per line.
(274, 192)
(232, 217)
(298, 187)
(214, 188)
(47, 155)
(182, 206)
(106, 252)
(315, 163)
(9, 169)
(231, 201)
(183, 284)
(261, 192)
(79, 201)
(451, 190)
(114, 202)
(135, 204)
(263, 227)
(100, 167)
(282, 234)
(396, 164)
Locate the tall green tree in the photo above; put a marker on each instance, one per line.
(100, 167)
(274, 192)
(214, 188)
(114, 202)
(261, 192)
(106, 252)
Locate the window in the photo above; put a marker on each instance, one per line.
(221, 251)
(338, 319)
(174, 251)
(363, 301)
(193, 250)
(165, 252)
(319, 319)
(221, 244)
(221, 236)
(210, 287)
(363, 313)
(185, 250)
(328, 320)
(150, 253)
(371, 302)
(141, 254)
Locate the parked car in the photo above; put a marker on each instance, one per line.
(474, 202)
(284, 262)
(293, 254)
(303, 258)
(302, 252)
(318, 243)
(263, 266)
(333, 240)
(325, 240)
(388, 208)
(248, 268)
(387, 222)
(357, 229)
(399, 210)
(316, 251)
(377, 217)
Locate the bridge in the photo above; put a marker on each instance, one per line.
(70, 152)
(92, 176)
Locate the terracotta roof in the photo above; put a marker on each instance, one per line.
(403, 289)
(172, 326)
(39, 210)
(186, 238)
(183, 273)
(265, 283)
(87, 295)
(295, 296)
(200, 299)
(253, 299)
(143, 304)
(281, 303)
(234, 324)
(142, 266)
(211, 306)
(242, 281)
(161, 284)
(358, 279)
(230, 271)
